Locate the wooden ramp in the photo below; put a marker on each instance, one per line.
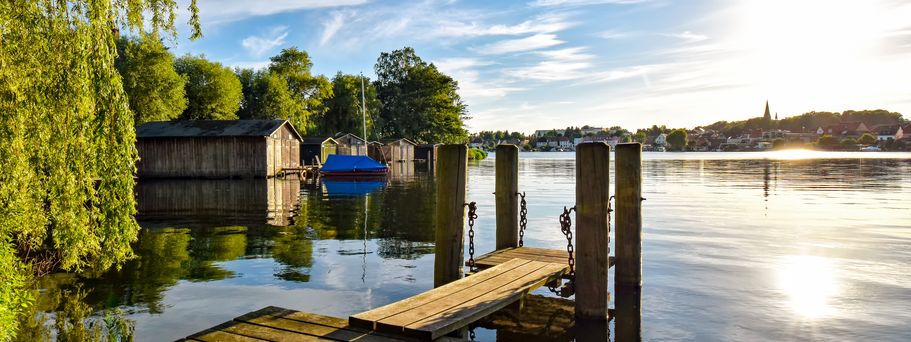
(277, 324)
(450, 307)
(553, 256)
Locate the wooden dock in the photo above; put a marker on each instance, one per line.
(278, 324)
(553, 256)
(437, 312)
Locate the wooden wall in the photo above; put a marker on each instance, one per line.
(217, 157)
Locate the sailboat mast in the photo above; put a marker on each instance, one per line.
(364, 107)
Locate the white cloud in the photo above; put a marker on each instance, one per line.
(233, 10)
(547, 23)
(464, 70)
(557, 65)
(615, 34)
(688, 37)
(548, 3)
(335, 22)
(259, 45)
(530, 43)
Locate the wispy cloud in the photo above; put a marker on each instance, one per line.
(530, 43)
(336, 20)
(465, 71)
(222, 11)
(548, 3)
(259, 45)
(556, 65)
(615, 34)
(688, 37)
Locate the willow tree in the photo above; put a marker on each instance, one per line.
(66, 138)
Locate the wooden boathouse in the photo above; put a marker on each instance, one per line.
(351, 144)
(504, 278)
(216, 148)
(315, 150)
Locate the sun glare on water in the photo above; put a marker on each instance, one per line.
(809, 282)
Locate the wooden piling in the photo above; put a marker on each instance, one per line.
(451, 181)
(592, 194)
(507, 185)
(628, 271)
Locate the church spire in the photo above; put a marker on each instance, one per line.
(767, 116)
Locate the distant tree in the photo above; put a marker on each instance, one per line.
(641, 137)
(213, 91)
(250, 102)
(309, 91)
(778, 144)
(419, 101)
(344, 112)
(677, 139)
(827, 140)
(154, 88)
(848, 142)
(866, 139)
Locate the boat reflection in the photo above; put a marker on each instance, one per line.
(343, 187)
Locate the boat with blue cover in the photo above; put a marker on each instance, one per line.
(352, 166)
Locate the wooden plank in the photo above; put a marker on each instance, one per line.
(417, 311)
(490, 300)
(507, 202)
(368, 319)
(592, 230)
(222, 336)
(316, 330)
(268, 333)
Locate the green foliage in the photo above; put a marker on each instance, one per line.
(306, 94)
(66, 186)
(827, 140)
(640, 137)
(344, 107)
(677, 139)
(866, 139)
(155, 90)
(476, 154)
(849, 142)
(213, 91)
(419, 101)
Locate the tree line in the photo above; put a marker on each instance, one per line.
(410, 98)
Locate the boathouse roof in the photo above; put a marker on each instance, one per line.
(211, 128)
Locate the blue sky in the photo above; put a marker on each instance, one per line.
(537, 64)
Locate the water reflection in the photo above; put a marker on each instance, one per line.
(810, 283)
(208, 202)
(736, 249)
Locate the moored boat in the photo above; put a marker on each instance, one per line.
(352, 166)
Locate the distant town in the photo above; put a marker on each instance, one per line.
(868, 130)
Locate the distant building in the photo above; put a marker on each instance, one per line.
(315, 150)
(886, 132)
(661, 139)
(216, 148)
(846, 129)
(350, 144)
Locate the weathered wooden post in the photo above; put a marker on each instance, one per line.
(451, 180)
(628, 193)
(592, 195)
(507, 185)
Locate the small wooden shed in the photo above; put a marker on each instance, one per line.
(400, 150)
(313, 148)
(377, 151)
(427, 154)
(350, 144)
(216, 148)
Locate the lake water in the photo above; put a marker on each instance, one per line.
(737, 246)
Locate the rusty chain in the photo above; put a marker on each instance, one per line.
(523, 218)
(472, 215)
(566, 224)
